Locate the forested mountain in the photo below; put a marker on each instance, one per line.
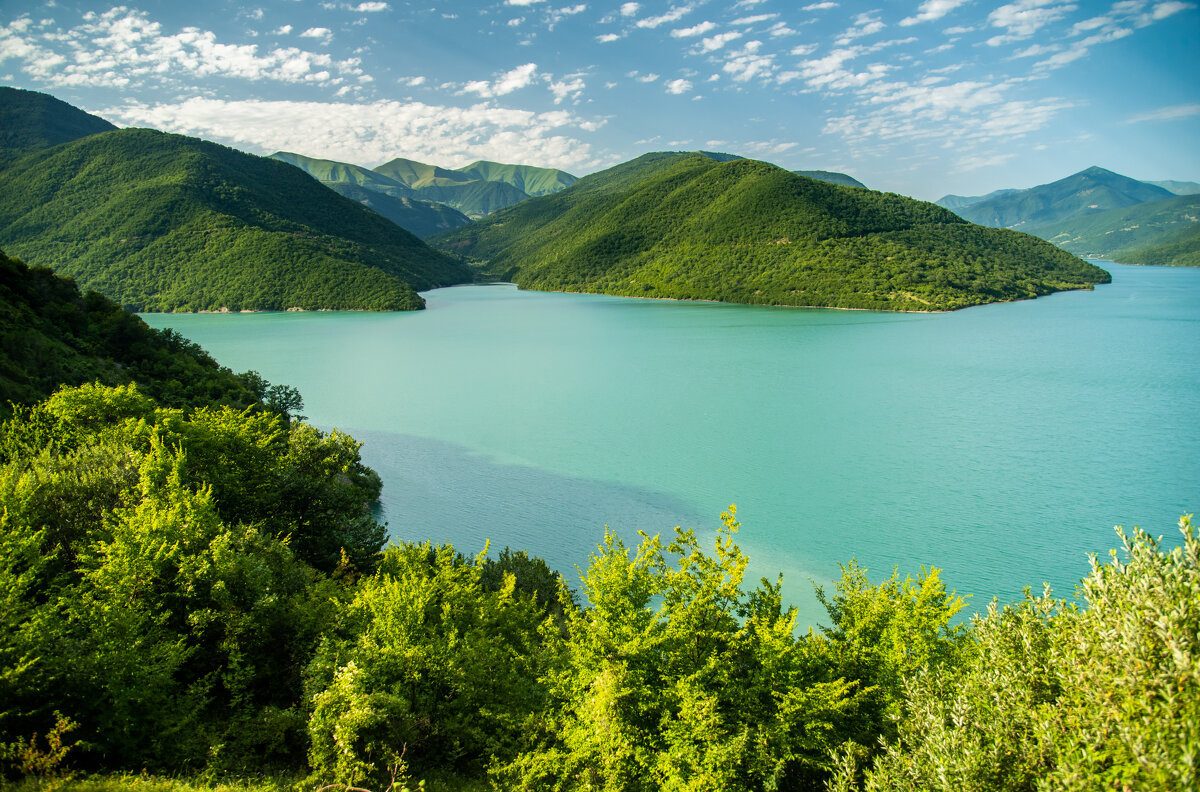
(833, 177)
(526, 178)
(390, 198)
(165, 222)
(1088, 192)
(686, 226)
(1098, 213)
(1158, 232)
(468, 193)
(30, 120)
(51, 335)
(344, 173)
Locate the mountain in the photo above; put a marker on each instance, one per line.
(1158, 232)
(55, 336)
(390, 198)
(422, 218)
(956, 202)
(833, 177)
(1178, 187)
(688, 227)
(526, 178)
(30, 120)
(342, 172)
(468, 193)
(417, 174)
(165, 222)
(1087, 192)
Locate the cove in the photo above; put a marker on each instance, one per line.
(999, 443)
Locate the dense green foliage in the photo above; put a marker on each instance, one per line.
(420, 218)
(344, 173)
(1088, 192)
(165, 222)
(1163, 232)
(528, 179)
(833, 177)
(51, 335)
(30, 120)
(690, 227)
(204, 592)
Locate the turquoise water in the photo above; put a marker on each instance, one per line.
(999, 443)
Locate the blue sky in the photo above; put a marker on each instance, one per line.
(921, 98)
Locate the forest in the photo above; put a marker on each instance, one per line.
(195, 594)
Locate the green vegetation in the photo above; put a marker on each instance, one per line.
(1088, 192)
(526, 178)
(51, 335)
(203, 594)
(420, 218)
(1158, 232)
(170, 223)
(833, 177)
(690, 227)
(344, 173)
(30, 120)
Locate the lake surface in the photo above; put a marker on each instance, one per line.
(1000, 443)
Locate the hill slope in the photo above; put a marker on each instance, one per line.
(343, 172)
(422, 218)
(833, 177)
(1088, 192)
(468, 193)
(1158, 232)
(686, 226)
(526, 178)
(30, 120)
(51, 335)
(165, 222)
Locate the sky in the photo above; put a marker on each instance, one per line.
(920, 98)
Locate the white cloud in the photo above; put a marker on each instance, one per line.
(522, 2)
(515, 21)
(124, 48)
(819, 6)
(364, 8)
(323, 33)
(512, 80)
(605, 38)
(283, 30)
(678, 86)
(694, 30)
(713, 43)
(753, 20)
(931, 10)
(629, 9)
(747, 63)
(1024, 18)
(975, 162)
(412, 82)
(647, 78)
(1172, 113)
(674, 15)
(570, 87)
(864, 25)
(781, 29)
(375, 132)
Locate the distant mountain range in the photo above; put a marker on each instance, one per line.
(691, 227)
(1098, 213)
(165, 222)
(473, 191)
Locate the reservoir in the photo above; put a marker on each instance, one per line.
(1000, 443)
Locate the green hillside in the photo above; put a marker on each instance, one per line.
(1178, 187)
(833, 177)
(422, 218)
(1088, 192)
(526, 178)
(1159, 232)
(165, 222)
(469, 193)
(956, 202)
(333, 171)
(30, 120)
(417, 174)
(689, 227)
(51, 335)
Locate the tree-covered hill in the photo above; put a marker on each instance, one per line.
(422, 218)
(528, 179)
(30, 120)
(689, 227)
(51, 335)
(833, 177)
(165, 222)
(1158, 232)
(1088, 192)
(343, 172)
